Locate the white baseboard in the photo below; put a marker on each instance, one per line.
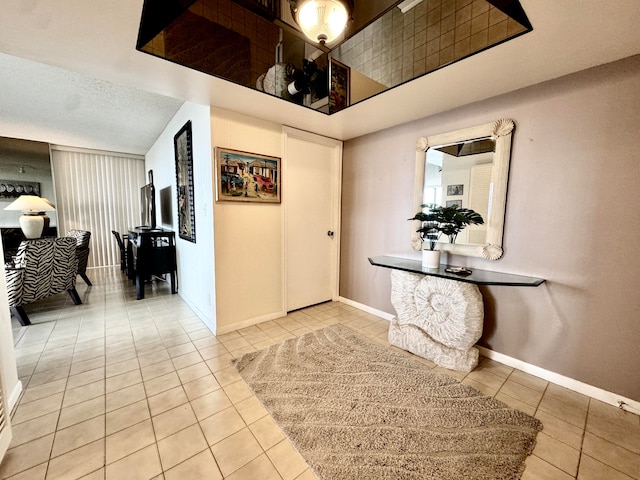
(14, 396)
(605, 396)
(199, 313)
(365, 308)
(248, 323)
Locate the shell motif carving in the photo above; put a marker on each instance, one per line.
(438, 319)
(502, 127)
(491, 251)
(422, 144)
(451, 312)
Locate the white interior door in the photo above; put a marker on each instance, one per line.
(311, 193)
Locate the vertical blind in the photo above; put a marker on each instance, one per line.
(99, 192)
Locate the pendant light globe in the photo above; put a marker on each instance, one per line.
(322, 21)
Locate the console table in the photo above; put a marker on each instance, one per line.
(151, 251)
(440, 315)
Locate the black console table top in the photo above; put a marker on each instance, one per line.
(152, 232)
(479, 277)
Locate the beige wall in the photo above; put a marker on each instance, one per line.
(571, 218)
(248, 246)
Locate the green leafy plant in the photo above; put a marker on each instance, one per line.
(448, 220)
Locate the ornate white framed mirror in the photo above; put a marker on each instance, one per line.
(468, 168)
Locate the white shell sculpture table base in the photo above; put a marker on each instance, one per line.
(438, 319)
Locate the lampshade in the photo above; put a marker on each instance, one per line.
(34, 221)
(322, 20)
(31, 204)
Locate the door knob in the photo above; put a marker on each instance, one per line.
(330, 233)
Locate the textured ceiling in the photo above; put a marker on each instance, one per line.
(64, 107)
(70, 74)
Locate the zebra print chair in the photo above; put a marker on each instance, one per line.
(43, 267)
(82, 250)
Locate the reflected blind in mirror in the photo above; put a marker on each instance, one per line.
(479, 198)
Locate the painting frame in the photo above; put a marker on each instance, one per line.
(15, 188)
(247, 177)
(451, 203)
(183, 149)
(455, 190)
(339, 85)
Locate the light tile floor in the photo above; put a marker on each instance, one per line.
(124, 389)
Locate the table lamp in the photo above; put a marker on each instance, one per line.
(34, 220)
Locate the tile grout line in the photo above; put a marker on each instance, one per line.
(291, 328)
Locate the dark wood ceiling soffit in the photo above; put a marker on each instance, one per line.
(268, 9)
(513, 10)
(469, 148)
(157, 15)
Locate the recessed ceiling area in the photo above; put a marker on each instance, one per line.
(257, 44)
(70, 74)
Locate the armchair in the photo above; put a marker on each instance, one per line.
(44, 267)
(82, 238)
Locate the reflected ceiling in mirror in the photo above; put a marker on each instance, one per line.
(257, 44)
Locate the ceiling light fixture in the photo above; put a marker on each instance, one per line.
(322, 21)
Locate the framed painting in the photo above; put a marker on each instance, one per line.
(183, 147)
(455, 189)
(247, 177)
(339, 93)
(15, 188)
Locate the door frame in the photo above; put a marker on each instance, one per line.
(5, 421)
(336, 199)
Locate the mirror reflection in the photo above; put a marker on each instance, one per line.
(25, 169)
(406, 43)
(258, 44)
(471, 168)
(460, 174)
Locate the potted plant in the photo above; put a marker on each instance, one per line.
(439, 219)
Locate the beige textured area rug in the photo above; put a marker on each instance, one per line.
(356, 409)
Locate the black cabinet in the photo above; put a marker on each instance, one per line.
(151, 252)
